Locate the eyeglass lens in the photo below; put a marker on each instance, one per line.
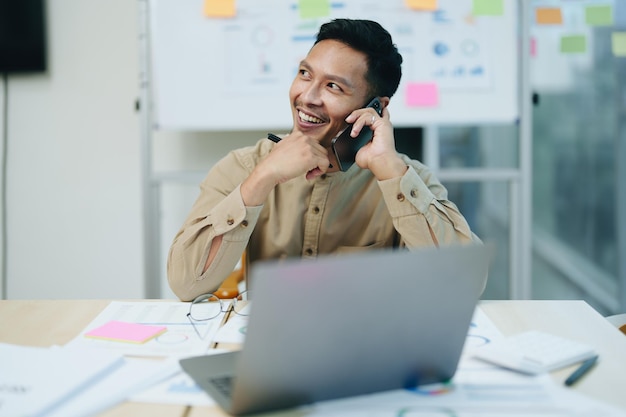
(209, 306)
(206, 307)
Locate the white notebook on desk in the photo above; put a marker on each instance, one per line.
(535, 352)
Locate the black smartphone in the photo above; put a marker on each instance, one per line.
(345, 146)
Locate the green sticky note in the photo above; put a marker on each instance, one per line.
(488, 7)
(599, 15)
(573, 44)
(313, 8)
(618, 43)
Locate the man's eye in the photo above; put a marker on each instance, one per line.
(334, 86)
(304, 73)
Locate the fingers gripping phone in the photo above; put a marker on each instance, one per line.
(345, 146)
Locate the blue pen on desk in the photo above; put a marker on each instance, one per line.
(277, 139)
(582, 370)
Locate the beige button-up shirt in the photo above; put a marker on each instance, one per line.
(338, 212)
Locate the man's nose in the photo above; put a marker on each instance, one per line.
(311, 94)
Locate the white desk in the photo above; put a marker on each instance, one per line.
(29, 323)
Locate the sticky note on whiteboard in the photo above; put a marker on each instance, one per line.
(572, 44)
(421, 4)
(548, 16)
(220, 8)
(311, 9)
(618, 44)
(422, 95)
(120, 331)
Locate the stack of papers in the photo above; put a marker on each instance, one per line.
(72, 382)
(34, 381)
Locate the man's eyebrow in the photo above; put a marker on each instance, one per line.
(332, 77)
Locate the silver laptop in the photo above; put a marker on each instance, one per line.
(347, 325)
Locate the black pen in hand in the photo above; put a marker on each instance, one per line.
(273, 138)
(277, 139)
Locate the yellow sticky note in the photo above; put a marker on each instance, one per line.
(421, 4)
(220, 8)
(313, 8)
(618, 43)
(548, 16)
(488, 7)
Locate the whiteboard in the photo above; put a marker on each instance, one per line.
(234, 73)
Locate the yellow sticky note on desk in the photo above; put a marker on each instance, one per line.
(220, 8)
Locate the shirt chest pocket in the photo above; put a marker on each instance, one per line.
(356, 249)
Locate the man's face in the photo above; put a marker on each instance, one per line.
(330, 84)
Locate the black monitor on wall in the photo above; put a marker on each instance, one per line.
(22, 36)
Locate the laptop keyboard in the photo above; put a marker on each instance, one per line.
(223, 384)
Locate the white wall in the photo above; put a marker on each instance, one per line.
(74, 202)
(73, 195)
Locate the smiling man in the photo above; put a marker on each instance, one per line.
(289, 199)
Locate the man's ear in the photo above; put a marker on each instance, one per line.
(384, 101)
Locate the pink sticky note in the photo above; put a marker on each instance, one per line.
(422, 95)
(126, 332)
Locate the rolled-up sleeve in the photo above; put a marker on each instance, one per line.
(218, 211)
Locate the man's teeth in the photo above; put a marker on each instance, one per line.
(310, 119)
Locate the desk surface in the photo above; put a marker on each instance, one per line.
(28, 323)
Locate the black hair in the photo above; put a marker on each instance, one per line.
(369, 37)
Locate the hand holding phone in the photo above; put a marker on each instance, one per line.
(345, 147)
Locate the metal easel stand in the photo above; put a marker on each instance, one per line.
(150, 189)
(519, 180)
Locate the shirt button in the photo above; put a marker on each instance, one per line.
(413, 193)
(400, 197)
(230, 222)
(244, 223)
(316, 210)
(309, 251)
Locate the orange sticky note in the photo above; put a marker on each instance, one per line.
(422, 95)
(548, 16)
(220, 8)
(421, 4)
(120, 331)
